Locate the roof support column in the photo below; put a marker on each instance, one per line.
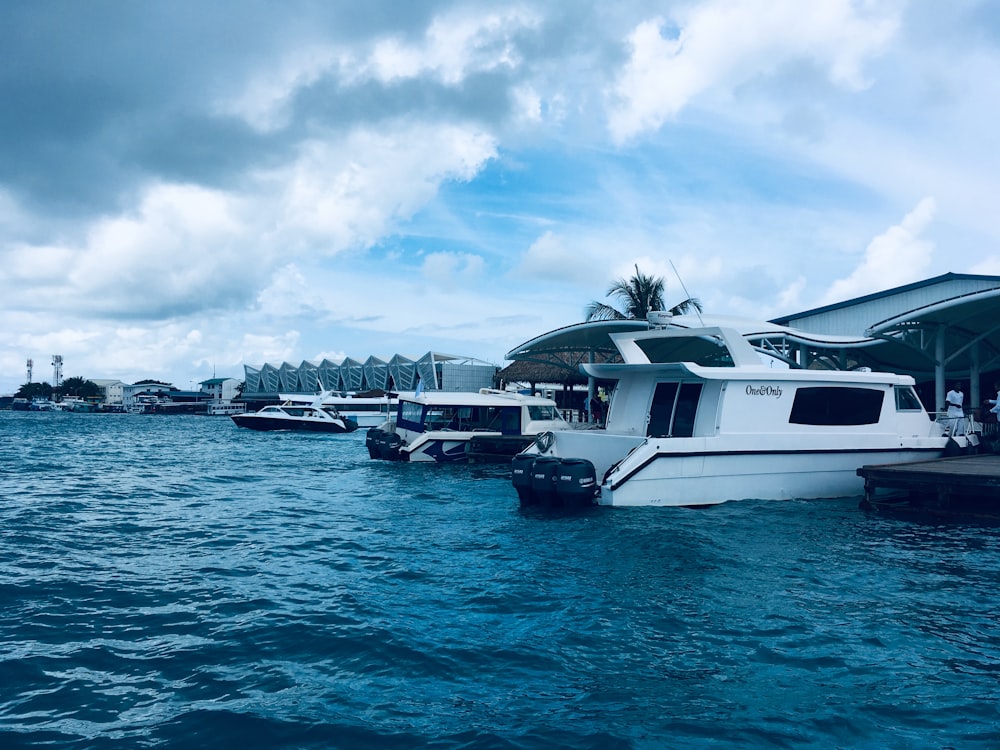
(939, 369)
(591, 386)
(974, 400)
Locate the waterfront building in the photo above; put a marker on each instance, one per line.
(432, 372)
(113, 390)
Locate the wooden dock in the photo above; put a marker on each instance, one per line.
(960, 484)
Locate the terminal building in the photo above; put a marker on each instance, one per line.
(433, 372)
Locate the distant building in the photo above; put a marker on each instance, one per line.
(113, 390)
(220, 389)
(433, 372)
(131, 393)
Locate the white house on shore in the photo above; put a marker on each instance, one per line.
(221, 389)
(113, 390)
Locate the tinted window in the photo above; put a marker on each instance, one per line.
(673, 410)
(907, 400)
(542, 412)
(836, 406)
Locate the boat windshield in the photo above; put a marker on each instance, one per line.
(543, 412)
(420, 418)
(706, 351)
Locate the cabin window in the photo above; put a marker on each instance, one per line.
(542, 412)
(505, 419)
(836, 406)
(410, 415)
(907, 399)
(673, 410)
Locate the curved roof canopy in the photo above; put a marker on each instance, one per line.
(944, 327)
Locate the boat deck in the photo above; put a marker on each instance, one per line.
(962, 484)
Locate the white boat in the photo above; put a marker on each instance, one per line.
(447, 427)
(312, 417)
(366, 410)
(698, 417)
(78, 405)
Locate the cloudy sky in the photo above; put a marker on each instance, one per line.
(189, 186)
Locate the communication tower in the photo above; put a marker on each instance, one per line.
(30, 367)
(57, 362)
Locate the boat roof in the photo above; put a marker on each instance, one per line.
(714, 353)
(485, 397)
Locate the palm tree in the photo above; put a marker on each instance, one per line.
(639, 296)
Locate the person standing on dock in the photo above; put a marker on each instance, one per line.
(995, 401)
(956, 414)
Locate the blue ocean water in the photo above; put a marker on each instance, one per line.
(175, 581)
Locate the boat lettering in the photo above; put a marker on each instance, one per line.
(764, 390)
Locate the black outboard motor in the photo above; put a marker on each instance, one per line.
(388, 446)
(576, 482)
(371, 441)
(543, 479)
(520, 477)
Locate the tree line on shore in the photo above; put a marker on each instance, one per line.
(75, 387)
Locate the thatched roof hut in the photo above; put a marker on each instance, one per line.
(533, 373)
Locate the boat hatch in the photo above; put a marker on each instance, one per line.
(673, 409)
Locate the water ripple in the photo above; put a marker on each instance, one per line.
(177, 582)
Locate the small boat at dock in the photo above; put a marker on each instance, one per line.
(459, 427)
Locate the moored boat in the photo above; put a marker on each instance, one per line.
(449, 427)
(313, 417)
(367, 410)
(698, 417)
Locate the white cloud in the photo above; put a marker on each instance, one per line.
(897, 256)
(454, 46)
(263, 103)
(556, 258)
(349, 193)
(988, 266)
(720, 44)
(452, 269)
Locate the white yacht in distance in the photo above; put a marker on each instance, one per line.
(315, 416)
(446, 426)
(697, 418)
(366, 410)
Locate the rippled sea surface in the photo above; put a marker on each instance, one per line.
(180, 582)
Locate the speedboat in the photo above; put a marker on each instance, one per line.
(699, 416)
(448, 427)
(312, 417)
(369, 410)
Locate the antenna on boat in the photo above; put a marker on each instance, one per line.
(686, 292)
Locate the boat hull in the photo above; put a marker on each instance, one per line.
(710, 479)
(267, 424)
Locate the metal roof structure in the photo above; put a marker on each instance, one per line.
(939, 329)
(436, 371)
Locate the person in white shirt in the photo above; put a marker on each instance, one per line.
(956, 414)
(995, 401)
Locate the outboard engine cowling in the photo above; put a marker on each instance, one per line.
(388, 446)
(371, 441)
(520, 477)
(576, 482)
(543, 479)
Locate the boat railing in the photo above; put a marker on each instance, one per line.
(965, 425)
